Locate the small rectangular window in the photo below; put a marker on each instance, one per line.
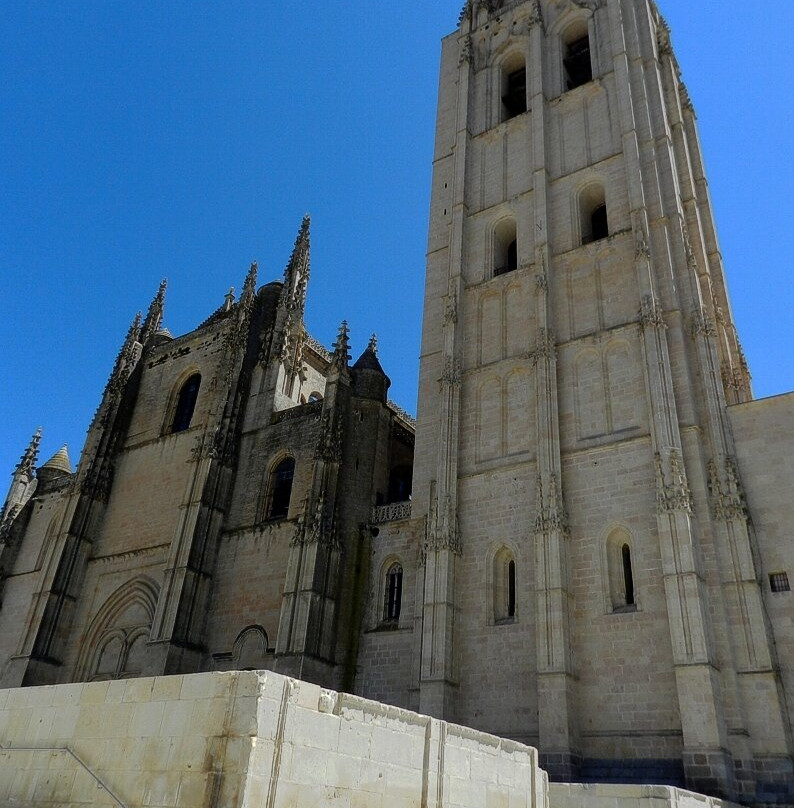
(778, 581)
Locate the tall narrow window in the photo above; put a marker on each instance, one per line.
(504, 586)
(281, 489)
(394, 593)
(578, 65)
(619, 573)
(628, 575)
(186, 404)
(505, 248)
(514, 94)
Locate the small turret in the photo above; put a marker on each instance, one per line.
(56, 468)
(369, 378)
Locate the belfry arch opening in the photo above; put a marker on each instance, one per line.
(577, 58)
(514, 87)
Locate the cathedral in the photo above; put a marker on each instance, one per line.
(580, 544)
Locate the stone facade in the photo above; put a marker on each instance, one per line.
(592, 554)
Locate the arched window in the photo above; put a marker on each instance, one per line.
(393, 596)
(577, 61)
(514, 87)
(505, 247)
(593, 221)
(504, 586)
(186, 404)
(620, 572)
(280, 489)
(315, 396)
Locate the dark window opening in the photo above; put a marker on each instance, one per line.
(778, 581)
(281, 488)
(400, 479)
(511, 259)
(515, 97)
(599, 227)
(628, 576)
(511, 589)
(186, 404)
(394, 593)
(578, 67)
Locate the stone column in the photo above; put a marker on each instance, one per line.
(557, 740)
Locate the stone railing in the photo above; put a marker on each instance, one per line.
(391, 513)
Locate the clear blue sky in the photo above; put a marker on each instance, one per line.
(141, 140)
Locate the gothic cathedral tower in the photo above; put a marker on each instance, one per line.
(589, 581)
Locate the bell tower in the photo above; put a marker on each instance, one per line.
(573, 445)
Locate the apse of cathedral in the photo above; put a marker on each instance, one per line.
(583, 542)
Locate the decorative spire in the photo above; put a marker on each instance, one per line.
(249, 286)
(126, 359)
(154, 317)
(228, 300)
(342, 346)
(296, 275)
(373, 344)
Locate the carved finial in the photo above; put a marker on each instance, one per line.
(373, 344)
(228, 300)
(249, 285)
(154, 317)
(342, 345)
(296, 275)
(28, 460)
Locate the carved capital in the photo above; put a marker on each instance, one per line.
(545, 347)
(451, 310)
(536, 15)
(451, 375)
(465, 51)
(316, 525)
(725, 491)
(672, 487)
(550, 513)
(442, 531)
(702, 324)
(651, 314)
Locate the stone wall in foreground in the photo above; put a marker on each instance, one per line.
(621, 796)
(247, 739)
